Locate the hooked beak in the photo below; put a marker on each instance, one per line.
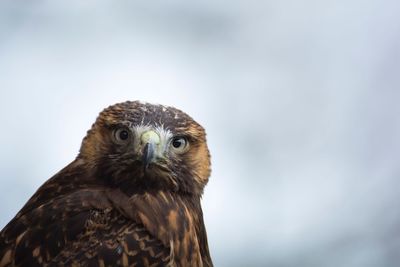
(150, 141)
(148, 155)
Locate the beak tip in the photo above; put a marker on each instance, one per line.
(148, 155)
(145, 167)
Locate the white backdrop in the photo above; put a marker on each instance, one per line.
(300, 100)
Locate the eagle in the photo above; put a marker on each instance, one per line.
(130, 198)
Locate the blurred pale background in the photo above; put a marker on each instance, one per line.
(300, 100)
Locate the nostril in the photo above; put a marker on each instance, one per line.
(150, 137)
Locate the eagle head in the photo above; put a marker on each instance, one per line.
(140, 146)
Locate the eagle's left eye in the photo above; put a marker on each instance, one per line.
(122, 135)
(179, 144)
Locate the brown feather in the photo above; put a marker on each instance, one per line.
(104, 209)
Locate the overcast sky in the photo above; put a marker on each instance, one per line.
(300, 100)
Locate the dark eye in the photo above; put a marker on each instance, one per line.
(179, 144)
(121, 135)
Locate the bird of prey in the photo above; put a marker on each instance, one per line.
(130, 198)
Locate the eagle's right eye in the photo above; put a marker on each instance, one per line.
(179, 144)
(122, 135)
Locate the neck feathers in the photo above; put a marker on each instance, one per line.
(175, 220)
